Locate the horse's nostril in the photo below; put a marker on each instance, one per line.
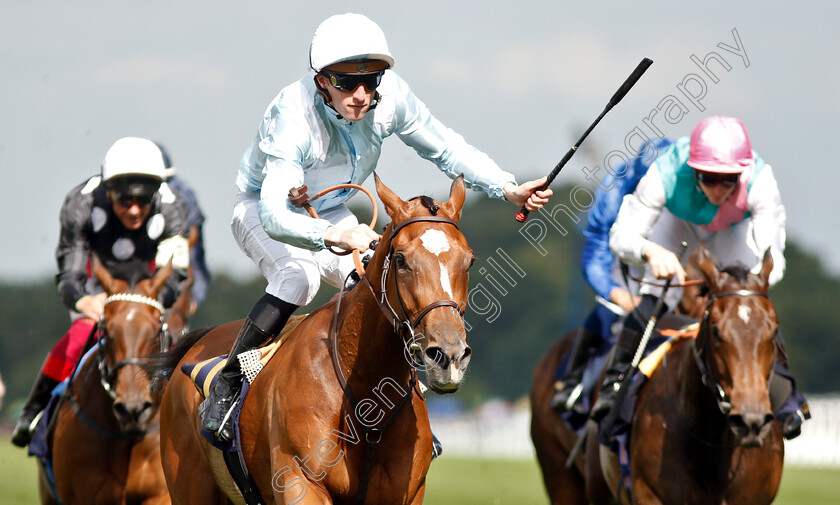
(749, 423)
(121, 410)
(466, 354)
(437, 355)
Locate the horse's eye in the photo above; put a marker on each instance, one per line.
(716, 334)
(399, 259)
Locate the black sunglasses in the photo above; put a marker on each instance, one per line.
(349, 82)
(712, 179)
(126, 201)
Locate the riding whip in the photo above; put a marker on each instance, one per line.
(522, 214)
(637, 358)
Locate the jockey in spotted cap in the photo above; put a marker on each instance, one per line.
(130, 219)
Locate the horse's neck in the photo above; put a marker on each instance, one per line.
(368, 348)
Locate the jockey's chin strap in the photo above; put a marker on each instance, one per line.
(107, 374)
(402, 324)
(706, 373)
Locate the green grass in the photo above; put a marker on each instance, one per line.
(454, 481)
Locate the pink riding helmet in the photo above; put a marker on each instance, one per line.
(720, 144)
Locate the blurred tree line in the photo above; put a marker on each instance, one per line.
(524, 294)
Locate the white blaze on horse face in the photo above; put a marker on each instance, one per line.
(435, 242)
(444, 280)
(744, 313)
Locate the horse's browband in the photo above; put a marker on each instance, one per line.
(134, 297)
(737, 292)
(428, 219)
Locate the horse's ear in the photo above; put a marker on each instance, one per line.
(394, 205)
(457, 195)
(766, 268)
(105, 278)
(159, 279)
(708, 266)
(192, 240)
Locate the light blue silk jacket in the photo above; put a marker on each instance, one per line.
(302, 141)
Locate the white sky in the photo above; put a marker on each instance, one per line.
(520, 80)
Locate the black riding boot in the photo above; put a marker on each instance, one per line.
(625, 348)
(788, 404)
(265, 321)
(568, 391)
(37, 401)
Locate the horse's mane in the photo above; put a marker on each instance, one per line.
(160, 365)
(428, 202)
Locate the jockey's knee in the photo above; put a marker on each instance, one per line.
(295, 284)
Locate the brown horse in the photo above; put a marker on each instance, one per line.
(105, 442)
(336, 416)
(703, 430)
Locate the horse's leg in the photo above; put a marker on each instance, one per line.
(145, 473)
(564, 485)
(597, 489)
(643, 494)
(421, 492)
(293, 487)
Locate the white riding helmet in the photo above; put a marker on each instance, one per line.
(345, 37)
(133, 166)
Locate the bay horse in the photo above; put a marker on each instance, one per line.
(337, 415)
(105, 438)
(703, 431)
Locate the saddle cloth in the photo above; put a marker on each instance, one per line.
(204, 373)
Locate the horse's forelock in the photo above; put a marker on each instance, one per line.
(427, 202)
(738, 272)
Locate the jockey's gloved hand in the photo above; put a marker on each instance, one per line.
(526, 194)
(664, 264)
(358, 237)
(92, 306)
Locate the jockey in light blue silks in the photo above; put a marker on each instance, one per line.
(711, 188)
(321, 132)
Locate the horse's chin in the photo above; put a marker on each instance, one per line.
(751, 441)
(448, 389)
(442, 382)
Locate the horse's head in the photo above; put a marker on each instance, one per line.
(737, 345)
(132, 326)
(425, 264)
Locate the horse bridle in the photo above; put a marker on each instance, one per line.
(403, 325)
(706, 372)
(107, 373)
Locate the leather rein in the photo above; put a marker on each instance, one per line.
(403, 327)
